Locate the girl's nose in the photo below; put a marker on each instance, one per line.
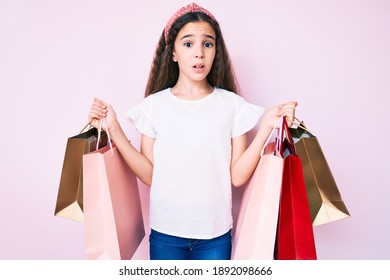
(199, 53)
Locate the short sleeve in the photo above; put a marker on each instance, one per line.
(246, 116)
(141, 117)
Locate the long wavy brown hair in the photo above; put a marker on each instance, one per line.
(164, 72)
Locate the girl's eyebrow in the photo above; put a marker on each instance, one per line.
(191, 35)
(210, 36)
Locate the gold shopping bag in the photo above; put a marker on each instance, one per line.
(69, 202)
(325, 201)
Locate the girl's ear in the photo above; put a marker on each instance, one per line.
(174, 59)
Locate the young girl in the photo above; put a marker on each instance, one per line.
(194, 142)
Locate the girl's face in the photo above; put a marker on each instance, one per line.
(194, 50)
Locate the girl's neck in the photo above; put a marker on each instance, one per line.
(192, 91)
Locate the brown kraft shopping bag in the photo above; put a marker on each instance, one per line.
(326, 203)
(69, 202)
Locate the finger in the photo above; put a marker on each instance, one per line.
(99, 108)
(94, 122)
(99, 102)
(289, 115)
(288, 112)
(96, 112)
(93, 116)
(286, 107)
(99, 105)
(290, 103)
(285, 111)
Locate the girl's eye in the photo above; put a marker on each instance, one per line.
(188, 44)
(208, 45)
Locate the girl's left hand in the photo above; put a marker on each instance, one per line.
(288, 110)
(273, 114)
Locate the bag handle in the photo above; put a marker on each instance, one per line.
(88, 124)
(108, 135)
(299, 124)
(287, 135)
(278, 136)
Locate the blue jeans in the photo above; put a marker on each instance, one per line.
(168, 247)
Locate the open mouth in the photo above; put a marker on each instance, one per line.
(198, 66)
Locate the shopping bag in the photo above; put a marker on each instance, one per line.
(326, 203)
(295, 238)
(255, 230)
(113, 224)
(69, 202)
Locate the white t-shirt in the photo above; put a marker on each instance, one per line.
(191, 185)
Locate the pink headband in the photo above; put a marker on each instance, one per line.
(191, 8)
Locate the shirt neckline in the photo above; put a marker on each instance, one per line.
(191, 101)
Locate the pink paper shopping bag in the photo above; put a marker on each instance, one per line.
(113, 224)
(255, 231)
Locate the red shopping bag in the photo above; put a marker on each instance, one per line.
(255, 232)
(113, 224)
(295, 238)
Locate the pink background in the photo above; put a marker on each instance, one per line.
(55, 56)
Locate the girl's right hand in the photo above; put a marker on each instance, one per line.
(99, 110)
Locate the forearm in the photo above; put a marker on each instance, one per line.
(242, 168)
(245, 161)
(138, 163)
